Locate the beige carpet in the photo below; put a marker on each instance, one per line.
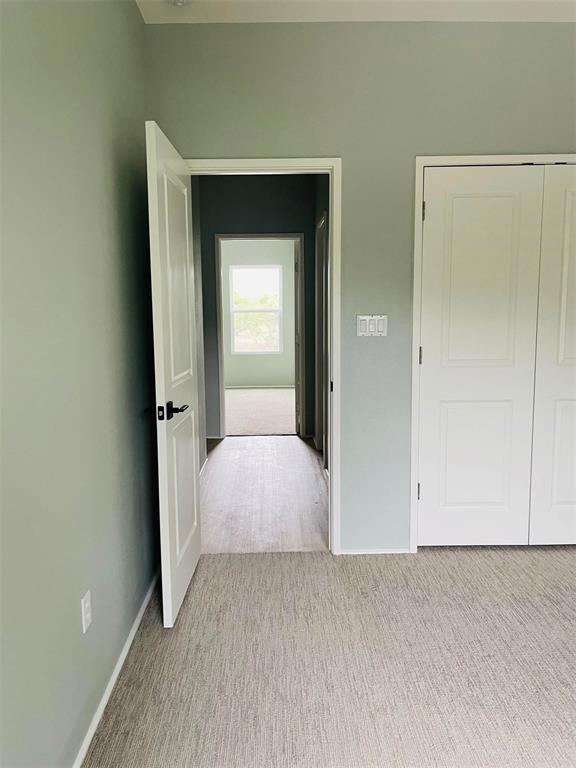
(260, 411)
(264, 494)
(454, 658)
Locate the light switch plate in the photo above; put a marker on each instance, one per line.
(371, 325)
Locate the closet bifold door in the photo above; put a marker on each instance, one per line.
(553, 497)
(481, 251)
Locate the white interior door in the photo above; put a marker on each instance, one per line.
(553, 506)
(175, 366)
(481, 246)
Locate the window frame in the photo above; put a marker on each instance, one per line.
(252, 310)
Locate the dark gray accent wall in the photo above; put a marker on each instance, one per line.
(254, 205)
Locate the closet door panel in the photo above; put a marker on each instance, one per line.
(553, 502)
(481, 251)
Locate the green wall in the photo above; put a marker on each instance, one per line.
(263, 370)
(376, 95)
(76, 441)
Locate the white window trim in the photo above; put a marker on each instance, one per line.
(279, 311)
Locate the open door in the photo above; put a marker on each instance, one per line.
(171, 262)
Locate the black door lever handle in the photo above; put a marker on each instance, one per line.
(171, 409)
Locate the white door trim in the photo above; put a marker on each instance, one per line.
(333, 167)
(422, 163)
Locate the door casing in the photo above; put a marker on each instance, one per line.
(422, 163)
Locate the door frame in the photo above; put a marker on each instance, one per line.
(332, 166)
(320, 328)
(299, 361)
(423, 162)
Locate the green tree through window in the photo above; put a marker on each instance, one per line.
(256, 309)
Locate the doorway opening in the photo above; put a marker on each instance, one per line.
(186, 348)
(260, 324)
(265, 484)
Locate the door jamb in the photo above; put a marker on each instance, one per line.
(423, 162)
(298, 240)
(332, 166)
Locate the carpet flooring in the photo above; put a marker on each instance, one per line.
(260, 411)
(451, 658)
(264, 494)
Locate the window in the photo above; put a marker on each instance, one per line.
(255, 309)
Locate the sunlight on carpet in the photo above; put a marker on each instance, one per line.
(261, 411)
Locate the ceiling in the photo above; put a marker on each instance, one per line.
(251, 11)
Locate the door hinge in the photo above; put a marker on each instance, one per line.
(296, 266)
(423, 209)
(161, 413)
(419, 355)
(418, 491)
(331, 386)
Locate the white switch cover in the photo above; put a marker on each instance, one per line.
(86, 606)
(371, 325)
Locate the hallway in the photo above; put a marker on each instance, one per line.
(264, 494)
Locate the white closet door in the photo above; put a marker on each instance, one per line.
(553, 507)
(481, 246)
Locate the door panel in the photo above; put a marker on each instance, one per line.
(475, 436)
(172, 270)
(471, 335)
(178, 267)
(185, 501)
(553, 506)
(481, 242)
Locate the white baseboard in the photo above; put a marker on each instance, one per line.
(373, 552)
(114, 676)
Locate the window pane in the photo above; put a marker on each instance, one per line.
(256, 332)
(255, 287)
